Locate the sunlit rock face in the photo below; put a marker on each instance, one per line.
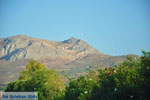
(24, 47)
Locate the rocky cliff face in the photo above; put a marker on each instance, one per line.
(24, 47)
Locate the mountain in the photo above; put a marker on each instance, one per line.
(24, 47)
(73, 57)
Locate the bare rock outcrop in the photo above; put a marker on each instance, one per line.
(24, 47)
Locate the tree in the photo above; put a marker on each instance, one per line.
(128, 81)
(31, 67)
(48, 83)
(82, 88)
(144, 71)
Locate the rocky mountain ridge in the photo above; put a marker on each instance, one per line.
(24, 47)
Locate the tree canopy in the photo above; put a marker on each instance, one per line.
(48, 83)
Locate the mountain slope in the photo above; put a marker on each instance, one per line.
(24, 47)
(72, 57)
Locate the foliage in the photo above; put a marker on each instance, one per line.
(31, 67)
(144, 71)
(80, 89)
(128, 81)
(37, 78)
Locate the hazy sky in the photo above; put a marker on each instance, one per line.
(115, 27)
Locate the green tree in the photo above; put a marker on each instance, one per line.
(48, 83)
(128, 81)
(144, 71)
(31, 67)
(82, 88)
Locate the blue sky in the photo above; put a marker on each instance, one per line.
(115, 27)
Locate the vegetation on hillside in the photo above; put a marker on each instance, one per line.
(128, 81)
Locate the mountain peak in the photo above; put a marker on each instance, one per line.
(71, 40)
